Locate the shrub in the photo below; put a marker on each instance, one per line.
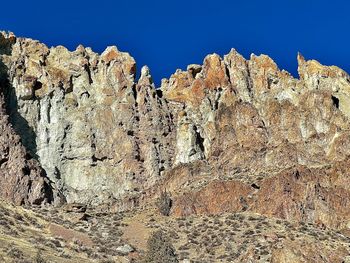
(160, 249)
(164, 203)
(14, 252)
(39, 257)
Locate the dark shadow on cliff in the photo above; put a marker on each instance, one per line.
(19, 124)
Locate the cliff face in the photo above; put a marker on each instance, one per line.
(98, 133)
(273, 144)
(240, 133)
(22, 179)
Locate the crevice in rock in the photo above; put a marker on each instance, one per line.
(211, 104)
(96, 159)
(159, 93)
(2, 161)
(84, 95)
(37, 85)
(227, 71)
(217, 99)
(134, 92)
(57, 173)
(255, 186)
(199, 139)
(26, 170)
(69, 158)
(87, 68)
(249, 83)
(49, 112)
(335, 101)
(70, 85)
(269, 82)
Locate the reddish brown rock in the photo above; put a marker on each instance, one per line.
(239, 132)
(233, 135)
(308, 195)
(215, 198)
(318, 195)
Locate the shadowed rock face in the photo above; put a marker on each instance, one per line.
(240, 133)
(22, 179)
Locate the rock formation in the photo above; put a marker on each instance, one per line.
(22, 180)
(98, 133)
(229, 135)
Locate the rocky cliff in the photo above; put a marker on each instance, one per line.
(227, 136)
(22, 179)
(97, 132)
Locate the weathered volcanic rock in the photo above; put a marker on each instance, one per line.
(229, 135)
(98, 133)
(22, 180)
(273, 144)
(317, 195)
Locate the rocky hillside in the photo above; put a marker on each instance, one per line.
(66, 234)
(229, 136)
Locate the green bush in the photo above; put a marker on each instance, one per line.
(39, 257)
(160, 249)
(164, 203)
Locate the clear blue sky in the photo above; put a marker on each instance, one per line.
(167, 35)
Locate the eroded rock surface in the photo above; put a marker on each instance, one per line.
(22, 180)
(240, 133)
(272, 144)
(98, 133)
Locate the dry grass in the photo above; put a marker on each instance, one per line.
(57, 236)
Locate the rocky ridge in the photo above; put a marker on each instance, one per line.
(241, 133)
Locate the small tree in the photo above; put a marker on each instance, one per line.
(164, 203)
(160, 249)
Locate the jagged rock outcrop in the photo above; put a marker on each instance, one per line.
(22, 180)
(260, 127)
(98, 133)
(242, 133)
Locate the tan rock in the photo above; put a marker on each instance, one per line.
(104, 136)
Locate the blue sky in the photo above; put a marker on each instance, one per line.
(167, 35)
